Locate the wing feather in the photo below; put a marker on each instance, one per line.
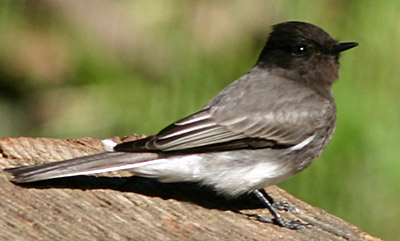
(247, 114)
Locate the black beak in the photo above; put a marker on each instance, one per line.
(339, 47)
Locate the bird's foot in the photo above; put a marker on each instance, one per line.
(294, 224)
(284, 206)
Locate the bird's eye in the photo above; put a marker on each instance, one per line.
(300, 50)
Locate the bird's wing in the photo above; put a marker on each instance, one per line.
(193, 132)
(211, 130)
(247, 114)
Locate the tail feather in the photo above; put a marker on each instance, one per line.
(97, 163)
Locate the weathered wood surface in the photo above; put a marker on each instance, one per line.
(120, 208)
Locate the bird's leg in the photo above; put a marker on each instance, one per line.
(268, 202)
(284, 206)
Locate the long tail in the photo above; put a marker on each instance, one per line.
(102, 162)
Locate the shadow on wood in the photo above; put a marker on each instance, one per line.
(182, 191)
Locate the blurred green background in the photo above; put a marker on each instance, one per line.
(70, 69)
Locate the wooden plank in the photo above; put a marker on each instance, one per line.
(117, 207)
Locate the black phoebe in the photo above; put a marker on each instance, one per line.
(260, 130)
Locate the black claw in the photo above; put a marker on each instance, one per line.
(294, 224)
(271, 204)
(284, 206)
(263, 219)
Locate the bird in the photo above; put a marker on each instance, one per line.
(262, 129)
